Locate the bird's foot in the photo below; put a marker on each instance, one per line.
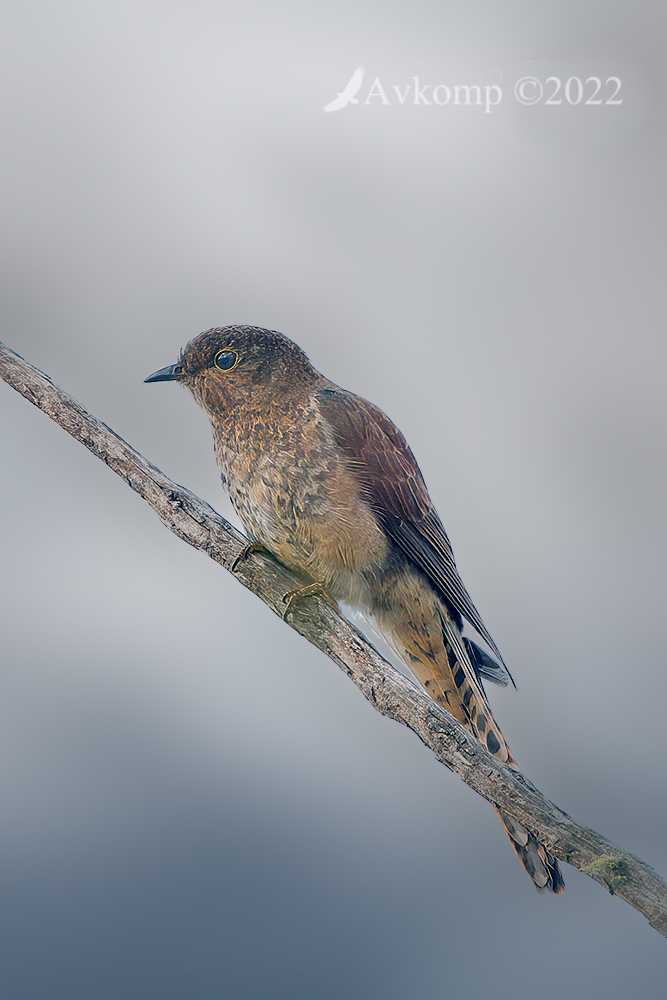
(245, 552)
(292, 596)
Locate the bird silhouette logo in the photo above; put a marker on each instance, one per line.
(347, 96)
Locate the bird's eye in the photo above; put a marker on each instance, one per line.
(226, 360)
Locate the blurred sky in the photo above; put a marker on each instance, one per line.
(195, 802)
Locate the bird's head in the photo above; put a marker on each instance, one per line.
(228, 366)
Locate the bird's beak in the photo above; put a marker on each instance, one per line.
(167, 374)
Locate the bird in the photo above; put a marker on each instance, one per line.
(347, 96)
(324, 481)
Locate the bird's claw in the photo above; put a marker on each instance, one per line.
(245, 552)
(311, 590)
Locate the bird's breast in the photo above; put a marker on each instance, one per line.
(295, 493)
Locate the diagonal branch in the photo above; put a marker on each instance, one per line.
(388, 690)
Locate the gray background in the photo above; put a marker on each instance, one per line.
(196, 803)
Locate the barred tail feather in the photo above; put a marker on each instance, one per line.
(427, 636)
(538, 861)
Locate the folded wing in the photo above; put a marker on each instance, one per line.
(395, 490)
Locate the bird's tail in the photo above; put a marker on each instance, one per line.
(538, 861)
(430, 642)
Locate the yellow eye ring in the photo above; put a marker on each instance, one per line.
(226, 360)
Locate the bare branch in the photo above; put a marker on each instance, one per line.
(392, 694)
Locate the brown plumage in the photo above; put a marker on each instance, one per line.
(327, 483)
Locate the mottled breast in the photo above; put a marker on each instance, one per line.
(296, 493)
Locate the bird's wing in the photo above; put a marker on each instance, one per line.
(394, 488)
(351, 88)
(356, 80)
